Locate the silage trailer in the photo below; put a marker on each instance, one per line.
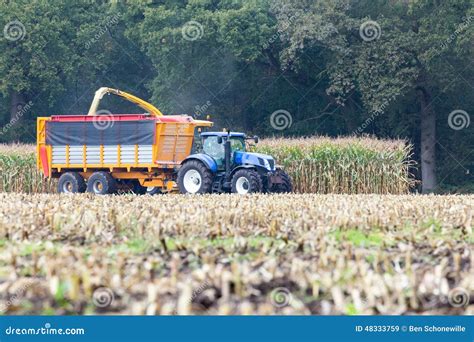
(133, 151)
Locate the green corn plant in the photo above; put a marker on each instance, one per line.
(316, 165)
(344, 165)
(18, 172)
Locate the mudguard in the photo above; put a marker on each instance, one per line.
(240, 167)
(204, 158)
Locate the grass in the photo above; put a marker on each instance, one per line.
(358, 238)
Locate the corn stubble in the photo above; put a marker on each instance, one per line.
(225, 254)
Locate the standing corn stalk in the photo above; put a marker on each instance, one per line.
(316, 165)
(344, 165)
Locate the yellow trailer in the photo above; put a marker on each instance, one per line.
(103, 153)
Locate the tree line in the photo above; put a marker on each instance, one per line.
(393, 69)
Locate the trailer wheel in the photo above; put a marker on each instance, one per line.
(246, 181)
(194, 178)
(137, 188)
(71, 182)
(153, 190)
(101, 183)
(285, 185)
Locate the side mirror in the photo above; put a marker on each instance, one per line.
(219, 140)
(255, 139)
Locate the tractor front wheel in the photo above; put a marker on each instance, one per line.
(194, 178)
(246, 181)
(70, 183)
(101, 183)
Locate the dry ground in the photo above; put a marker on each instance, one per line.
(227, 254)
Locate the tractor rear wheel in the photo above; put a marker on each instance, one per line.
(101, 183)
(246, 181)
(285, 185)
(70, 183)
(194, 178)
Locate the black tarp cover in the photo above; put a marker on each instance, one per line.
(100, 133)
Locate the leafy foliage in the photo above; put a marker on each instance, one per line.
(243, 60)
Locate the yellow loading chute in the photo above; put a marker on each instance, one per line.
(138, 101)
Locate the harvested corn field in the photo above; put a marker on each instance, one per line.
(227, 254)
(316, 165)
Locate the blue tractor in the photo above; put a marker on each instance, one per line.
(222, 164)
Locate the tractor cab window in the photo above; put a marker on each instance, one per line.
(237, 144)
(197, 142)
(212, 148)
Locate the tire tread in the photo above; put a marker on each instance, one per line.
(79, 184)
(106, 179)
(206, 176)
(256, 184)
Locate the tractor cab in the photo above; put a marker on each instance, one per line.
(213, 145)
(223, 164)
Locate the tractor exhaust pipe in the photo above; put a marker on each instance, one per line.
(227, 152)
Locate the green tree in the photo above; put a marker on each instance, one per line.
(340, 67)
(383, 59)
(35, 56)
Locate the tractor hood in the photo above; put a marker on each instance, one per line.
(257, 159)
